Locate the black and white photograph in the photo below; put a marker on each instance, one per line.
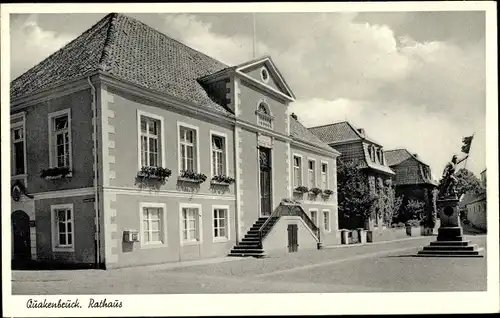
(190, 151)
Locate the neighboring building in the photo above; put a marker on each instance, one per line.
(413, 179)
(483, 178)
(158, 105)
(473, 209)
(355, 145)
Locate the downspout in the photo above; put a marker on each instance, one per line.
(96, 183)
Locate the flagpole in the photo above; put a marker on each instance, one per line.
(465, 164)
(254, 36)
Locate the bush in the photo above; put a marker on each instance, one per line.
(413, 223)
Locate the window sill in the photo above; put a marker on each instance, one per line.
(220, 183)
(189, 180)
(153, 245)
(19, 176)
(220, 240)
(190, 243)
(63, 249)
(68, 176)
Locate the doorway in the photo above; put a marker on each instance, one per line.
(293, 245)
(21, 245)
(265, 181)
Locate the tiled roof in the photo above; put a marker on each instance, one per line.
(128, 50)
(301, 133)
(334, 133)
(339, 132)
(396, 156)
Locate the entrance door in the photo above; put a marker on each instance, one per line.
(293, 245)
(265, 181)
(21, 249)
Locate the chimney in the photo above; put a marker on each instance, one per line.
(294, 116)
(415, 155)
(361, 131)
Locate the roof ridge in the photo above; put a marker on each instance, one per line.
(106, 48)
(393, 150)
(320, 126)
(92, 28)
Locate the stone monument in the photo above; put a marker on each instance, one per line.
(450, 240)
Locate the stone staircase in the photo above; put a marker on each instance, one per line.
(453, 245)
(250, 244)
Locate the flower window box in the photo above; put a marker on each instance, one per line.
(301, 189)
(154, 173)
(56, 173)
(193, 177)
(222, 180)
(316, 191)
(327, 192)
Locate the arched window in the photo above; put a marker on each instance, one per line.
(264, 116)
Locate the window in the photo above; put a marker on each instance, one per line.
(18, 153)
(218, 155)
(264, 116)
(324, 175)
(326, 220)
(297, 171)
(150, 142)
(314, 216)
(188, 149)
(190, 227)
(62, 227)
(311, 173)
(220, 215)
(60, 139)
(264, 75)
(153, 223)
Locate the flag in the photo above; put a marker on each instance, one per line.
(466, 144)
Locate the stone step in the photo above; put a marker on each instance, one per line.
(250, 239)
(252, 234)
(448, 238)
(446, 255)
(247, 254)
(450, 248)
(246, 248)
(450, 243)
(248, 243)
(448, 252)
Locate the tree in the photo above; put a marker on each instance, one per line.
(468, 182)
(415, 210)
(354, 196)
(393, 206)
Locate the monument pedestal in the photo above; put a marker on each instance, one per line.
(450, 240)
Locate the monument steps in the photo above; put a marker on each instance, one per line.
(446, 248)
(450, 241)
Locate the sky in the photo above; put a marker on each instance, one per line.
(413, 80)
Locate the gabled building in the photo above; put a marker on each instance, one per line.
(131, 148)
(413, 178)
(355, 146)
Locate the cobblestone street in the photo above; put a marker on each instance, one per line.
(387, 267)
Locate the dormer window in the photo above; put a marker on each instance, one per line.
(264, 75)
(264, 116)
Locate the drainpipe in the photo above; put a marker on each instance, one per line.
(96, 193)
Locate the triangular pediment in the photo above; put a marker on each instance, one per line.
(264, 72)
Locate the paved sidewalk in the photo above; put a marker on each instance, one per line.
(359, 268)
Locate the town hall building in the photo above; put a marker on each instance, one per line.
(131, 148)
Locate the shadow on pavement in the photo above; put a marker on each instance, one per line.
(30, 265)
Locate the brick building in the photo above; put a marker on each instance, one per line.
(413, 179)
(355, 146)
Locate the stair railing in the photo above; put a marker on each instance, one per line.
(291, 210)
(262, 234)
(303, 215)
